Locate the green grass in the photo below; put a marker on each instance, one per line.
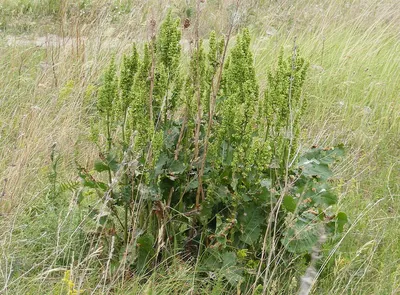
(45, 94)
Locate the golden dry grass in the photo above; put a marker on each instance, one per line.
(47, 85)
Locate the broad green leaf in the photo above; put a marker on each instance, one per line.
(101, 185)
(332, 154)
(264, 195)
(314, 168)
(229, 259)
(112, 162)
(162, 161)
(103, 219)
(145, 251)
(326, 156)
(225, 176)
(100, 166)
(301, 237)
(193, 184)
(81, 196)
(234, 276)
(250, 222)
(223, 193)
(325, 198)
(232, 273)
(90, 184)
(177, 167)
(266, 182)
(221, 231)
(170, 137)
(289, 203)
(206, 211)
(211, 259)
(94, 184)
(341, 220)
(245, 197)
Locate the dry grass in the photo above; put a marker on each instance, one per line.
(46, 94)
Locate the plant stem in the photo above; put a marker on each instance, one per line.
(198, 93)
(210, 119)
(126, 224)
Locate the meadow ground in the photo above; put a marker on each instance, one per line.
(53, 53)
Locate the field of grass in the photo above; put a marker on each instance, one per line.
(52, 57)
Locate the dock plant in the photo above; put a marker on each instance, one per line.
(198, 162)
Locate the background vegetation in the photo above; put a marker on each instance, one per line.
(52, 58)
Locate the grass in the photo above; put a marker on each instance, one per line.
(46, 94)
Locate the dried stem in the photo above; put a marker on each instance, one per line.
(198, 93)
(212, 109)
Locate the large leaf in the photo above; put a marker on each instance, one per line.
(341, 220)
(145, 251)
(160, 166)
(266, 182)
(325, 198)
(301, 237)
(171, 136)
(100, 166)
(314, 168)
(316, 162)
(108, 163)
(112, 162)
(234, 276)
(250, 222)
(289, 203)
(321, 194)
(177, 167)
(326, 156)
(211, 260)
(231, 272)
(229, 259)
